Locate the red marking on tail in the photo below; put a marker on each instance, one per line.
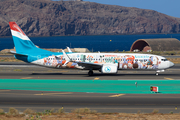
(15, 27)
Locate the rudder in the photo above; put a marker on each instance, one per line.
(21, 41)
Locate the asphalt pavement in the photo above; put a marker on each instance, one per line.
(102, 102)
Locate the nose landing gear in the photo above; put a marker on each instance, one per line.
(157, 72)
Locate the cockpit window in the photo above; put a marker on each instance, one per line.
(164, 60)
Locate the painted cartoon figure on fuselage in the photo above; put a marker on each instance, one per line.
(104, 62)
(125, 61)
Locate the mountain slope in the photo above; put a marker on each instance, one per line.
(47, 18)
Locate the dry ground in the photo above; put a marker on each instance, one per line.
(84, 114)
(9, 59)
(174, 60)
(96, 116)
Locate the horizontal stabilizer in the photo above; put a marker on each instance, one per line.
(13, 52)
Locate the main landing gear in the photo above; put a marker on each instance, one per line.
(90, 73)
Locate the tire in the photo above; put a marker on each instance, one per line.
(90, 73)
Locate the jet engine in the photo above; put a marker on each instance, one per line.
(109, 68)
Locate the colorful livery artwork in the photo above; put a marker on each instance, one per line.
(122, 61)
(104, 62)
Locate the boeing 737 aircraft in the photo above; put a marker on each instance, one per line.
(108, 63)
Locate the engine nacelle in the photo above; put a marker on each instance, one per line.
(111, 68)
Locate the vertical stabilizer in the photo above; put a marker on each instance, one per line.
(21, 41)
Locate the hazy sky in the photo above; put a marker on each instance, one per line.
(169, 7)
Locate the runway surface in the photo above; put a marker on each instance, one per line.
(102, 102)
(21, 70)
(125, 103)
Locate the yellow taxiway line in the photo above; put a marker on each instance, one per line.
(26, 78)
(117, 95)
(168, 78)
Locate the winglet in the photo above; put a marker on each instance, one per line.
(69, 49)
(66, 56)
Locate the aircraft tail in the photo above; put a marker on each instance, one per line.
(21, 41)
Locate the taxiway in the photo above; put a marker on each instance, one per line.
(102, 102)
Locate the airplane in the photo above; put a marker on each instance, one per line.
(106, 63)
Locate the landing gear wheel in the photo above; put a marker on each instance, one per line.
(90, 73)
(157, 74)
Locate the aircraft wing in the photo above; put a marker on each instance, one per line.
(86, 65)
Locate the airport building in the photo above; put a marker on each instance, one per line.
(159, 44)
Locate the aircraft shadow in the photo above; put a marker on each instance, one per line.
(46, 74)
(136, 75)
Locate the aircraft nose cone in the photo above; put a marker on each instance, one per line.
(171, 64)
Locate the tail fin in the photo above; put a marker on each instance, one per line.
(21, 41)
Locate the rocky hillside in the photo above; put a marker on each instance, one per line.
(48, 18)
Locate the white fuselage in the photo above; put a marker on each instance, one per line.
(121, 60)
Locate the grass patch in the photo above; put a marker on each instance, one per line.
(9, 59)
(2, 112)
(174, 60)
(13, 111)
(28, 111)
(84, 111)
(155, 111)
(17, 70)
(171, 112)
(61, 110)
